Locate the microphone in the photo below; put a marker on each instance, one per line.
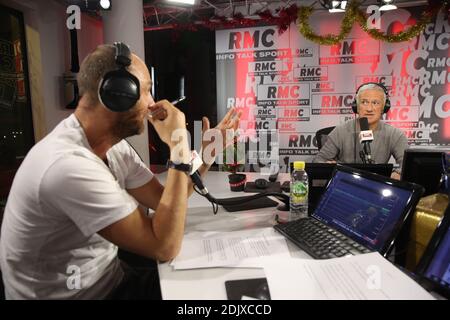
(197, 180)
(365, 137)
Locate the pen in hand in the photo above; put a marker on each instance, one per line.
(178, 100)
(160, 113)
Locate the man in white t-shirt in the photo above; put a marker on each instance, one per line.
(75, 199)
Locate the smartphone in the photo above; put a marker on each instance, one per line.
(252, 288)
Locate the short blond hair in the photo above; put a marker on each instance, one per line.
(93, 69)
(370, 86)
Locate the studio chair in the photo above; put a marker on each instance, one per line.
(322, 136)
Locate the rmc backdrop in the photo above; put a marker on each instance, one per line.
(290, 87)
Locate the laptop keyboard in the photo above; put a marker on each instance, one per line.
(318, 240)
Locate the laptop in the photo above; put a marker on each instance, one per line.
(320, 173)
(359, 212)
(433, 269)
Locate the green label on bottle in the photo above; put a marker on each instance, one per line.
(299, 192)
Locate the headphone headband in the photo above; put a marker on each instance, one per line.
(123, 54)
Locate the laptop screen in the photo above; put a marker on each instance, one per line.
(438, 270)
(364, 208)
(320, 173)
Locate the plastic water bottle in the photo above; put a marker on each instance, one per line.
(299, 192)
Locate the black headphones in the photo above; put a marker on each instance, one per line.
(387, 105)
(119, 89)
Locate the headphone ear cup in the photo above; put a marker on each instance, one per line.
(387, 106)
(354, 106)
(119, 90)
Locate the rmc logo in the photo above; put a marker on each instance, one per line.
(247, 40)
(361, 50)
(354, 47)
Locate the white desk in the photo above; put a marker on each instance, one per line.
(208, 283)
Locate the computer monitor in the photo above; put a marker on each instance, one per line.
(320, 173)
(434, 266)
(424, 167)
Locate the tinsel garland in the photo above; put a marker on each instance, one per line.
(353, 13)
(305, 29)
(406, 35)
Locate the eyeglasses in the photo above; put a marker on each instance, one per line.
(366, 102)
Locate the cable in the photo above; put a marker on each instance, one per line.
(201, 189)
(230, 201)
(362, 156)
(214, 205)
(130, 145)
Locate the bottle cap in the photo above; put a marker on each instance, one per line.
(299, 165)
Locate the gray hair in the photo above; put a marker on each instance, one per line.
(370, 86)
(93, 68)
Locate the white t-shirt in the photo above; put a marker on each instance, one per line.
(62, 195)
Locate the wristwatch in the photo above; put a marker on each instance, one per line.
(185, 167)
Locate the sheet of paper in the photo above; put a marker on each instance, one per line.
(361, 277)
(232, 249)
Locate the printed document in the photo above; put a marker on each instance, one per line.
(232, 249)
(361, 277)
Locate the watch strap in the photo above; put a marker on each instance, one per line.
(185, 167)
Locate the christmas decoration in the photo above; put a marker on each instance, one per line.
(285, 16)
(305, 29)
(354, 14)
(406, 35)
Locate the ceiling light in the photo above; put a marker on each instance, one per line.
(189, 2)
(93, 5)
(387, 5)
(105, 4)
